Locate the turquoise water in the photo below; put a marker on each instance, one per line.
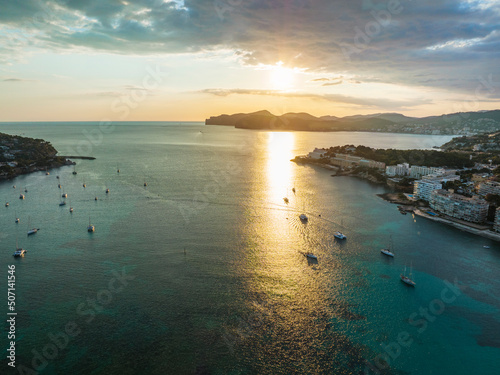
(216, 280)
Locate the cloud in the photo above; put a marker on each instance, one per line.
(368, 103)
(332, 83)
(440, 43)
(16, 80)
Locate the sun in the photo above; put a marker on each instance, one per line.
(281, 78)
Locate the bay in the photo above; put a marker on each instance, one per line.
(202, 270)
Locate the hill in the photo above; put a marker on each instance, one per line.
(463, 123)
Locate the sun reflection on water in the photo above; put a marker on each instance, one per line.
(280, 170)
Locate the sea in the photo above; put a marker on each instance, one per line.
(203, 271)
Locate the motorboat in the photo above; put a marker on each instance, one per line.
(339, 235)
(90, 228)
(19, 253)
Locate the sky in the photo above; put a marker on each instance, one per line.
(186, 60)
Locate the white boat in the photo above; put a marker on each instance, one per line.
(33, 230)
(388, 251)
(65, 195)
(17, 220)
(71, 209)
(340, 235)
(6, 204)
(486, 246)
(19, 250)
(311, 256)
(407, 279)
(303, 217)
(107, 191)
(90, 228)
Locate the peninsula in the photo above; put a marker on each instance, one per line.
(21, 155)
(464, 123)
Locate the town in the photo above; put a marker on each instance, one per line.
(462, 191)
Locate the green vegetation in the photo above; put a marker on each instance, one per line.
(429, 158)
(22, 155)
(375, 174)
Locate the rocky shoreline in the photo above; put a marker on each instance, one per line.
(27, 170)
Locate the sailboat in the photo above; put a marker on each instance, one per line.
(64, 195)
(33, 230)
(21, 195)
(20, 252)
(74, 169)
(388, 251)
(90, 228)
(6, 204)
(407, 279)
(63, 202)
(117, 169)
(84, 184)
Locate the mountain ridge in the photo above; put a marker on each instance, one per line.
(454, 123)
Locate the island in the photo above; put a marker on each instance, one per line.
(458, 185)
(22, 155)
(463, 123)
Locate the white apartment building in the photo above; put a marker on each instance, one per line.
(423, 189)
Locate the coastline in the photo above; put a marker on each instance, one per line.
(27, 170)
(405, 205)
(466, 228)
